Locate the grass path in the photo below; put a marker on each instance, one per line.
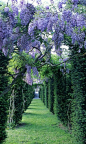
(38, 126)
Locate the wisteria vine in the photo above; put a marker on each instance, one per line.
(36, 31)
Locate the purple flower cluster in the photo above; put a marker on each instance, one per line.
(35, 71)
(75, 1)
(26, 14)
(28, 75)
(42, 24)
(6, 9)
(66, 15)
(58, 38)
(85, 44)
(23, 43)
(28, 79)
(81, 21)
(60, 4)
(39, 2)
(32, 27)
(15, 10)
(52, 1)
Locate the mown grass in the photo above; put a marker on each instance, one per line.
(38, 126)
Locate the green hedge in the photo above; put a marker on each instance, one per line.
(66, 95)
(60, 97)
(79, 96)
(19, 101)
(4, 98)
(51, 94)
(28, 92)
(46, 94)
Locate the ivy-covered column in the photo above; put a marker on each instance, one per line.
(4, 98)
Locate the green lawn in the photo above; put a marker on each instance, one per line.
(38, 126)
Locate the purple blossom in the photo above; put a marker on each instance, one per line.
(6, 9)
(5, 51)
(80, 21)
(28, 79)
(75, 1)
(85, 44)
(23, 43)
(5, 42)
(52, 2)
(60, 5)
(42, 24)
(17, 29)
(47, 7)
(13, 1)
(14, 37)
(28, 68)
(1, 40)
(58, 51)
(68, 29)
(39, 2)
(61, 24)
(82, 2)
(26, 14)
(12, 19)
(25, 17)
(35, 71)
(74, 38)
(67, 14)
(36, 43)
(52, 21)
(28, 75)
(15, 10)
(58, 38)
(32, 53)
(31, 28)
(81, 37)
(65, 59)
(1, 43)
(73, 20)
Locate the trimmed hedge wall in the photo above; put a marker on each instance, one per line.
(65, 96)
(4, 98)
(19, 101)
(78, 115)
(51, 94)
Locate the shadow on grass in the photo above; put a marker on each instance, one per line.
(21, 125)
(32, 114)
